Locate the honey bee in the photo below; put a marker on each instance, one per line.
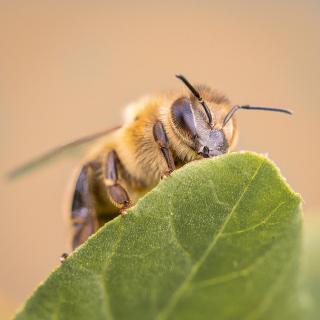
(161, 133)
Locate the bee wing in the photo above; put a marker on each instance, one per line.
(69, 149)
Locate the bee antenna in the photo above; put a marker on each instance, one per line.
(247, 107)
(197, 95)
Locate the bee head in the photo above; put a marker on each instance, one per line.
(205, 125)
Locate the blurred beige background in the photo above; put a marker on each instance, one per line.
(68, 69)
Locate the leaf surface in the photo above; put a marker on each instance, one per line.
(219, 239)
(310, 288)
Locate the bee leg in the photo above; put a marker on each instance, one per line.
(84, 221)
(161, 138)
(116, 193)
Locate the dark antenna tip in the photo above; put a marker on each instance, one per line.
(180, 76)
(248, 107)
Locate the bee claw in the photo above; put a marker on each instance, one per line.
(123, 212)
(63, 257)
(166, 174)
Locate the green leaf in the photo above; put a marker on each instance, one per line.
(219, 239)
(310, 289)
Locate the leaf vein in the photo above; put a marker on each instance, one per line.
(182, 288)
(262, 222)
(233, 275)
(176, 239)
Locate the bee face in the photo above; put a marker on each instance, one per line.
(190, 124)
(212, 144)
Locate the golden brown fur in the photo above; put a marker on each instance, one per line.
(142, 161)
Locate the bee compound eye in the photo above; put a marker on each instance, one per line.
(183, 117)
